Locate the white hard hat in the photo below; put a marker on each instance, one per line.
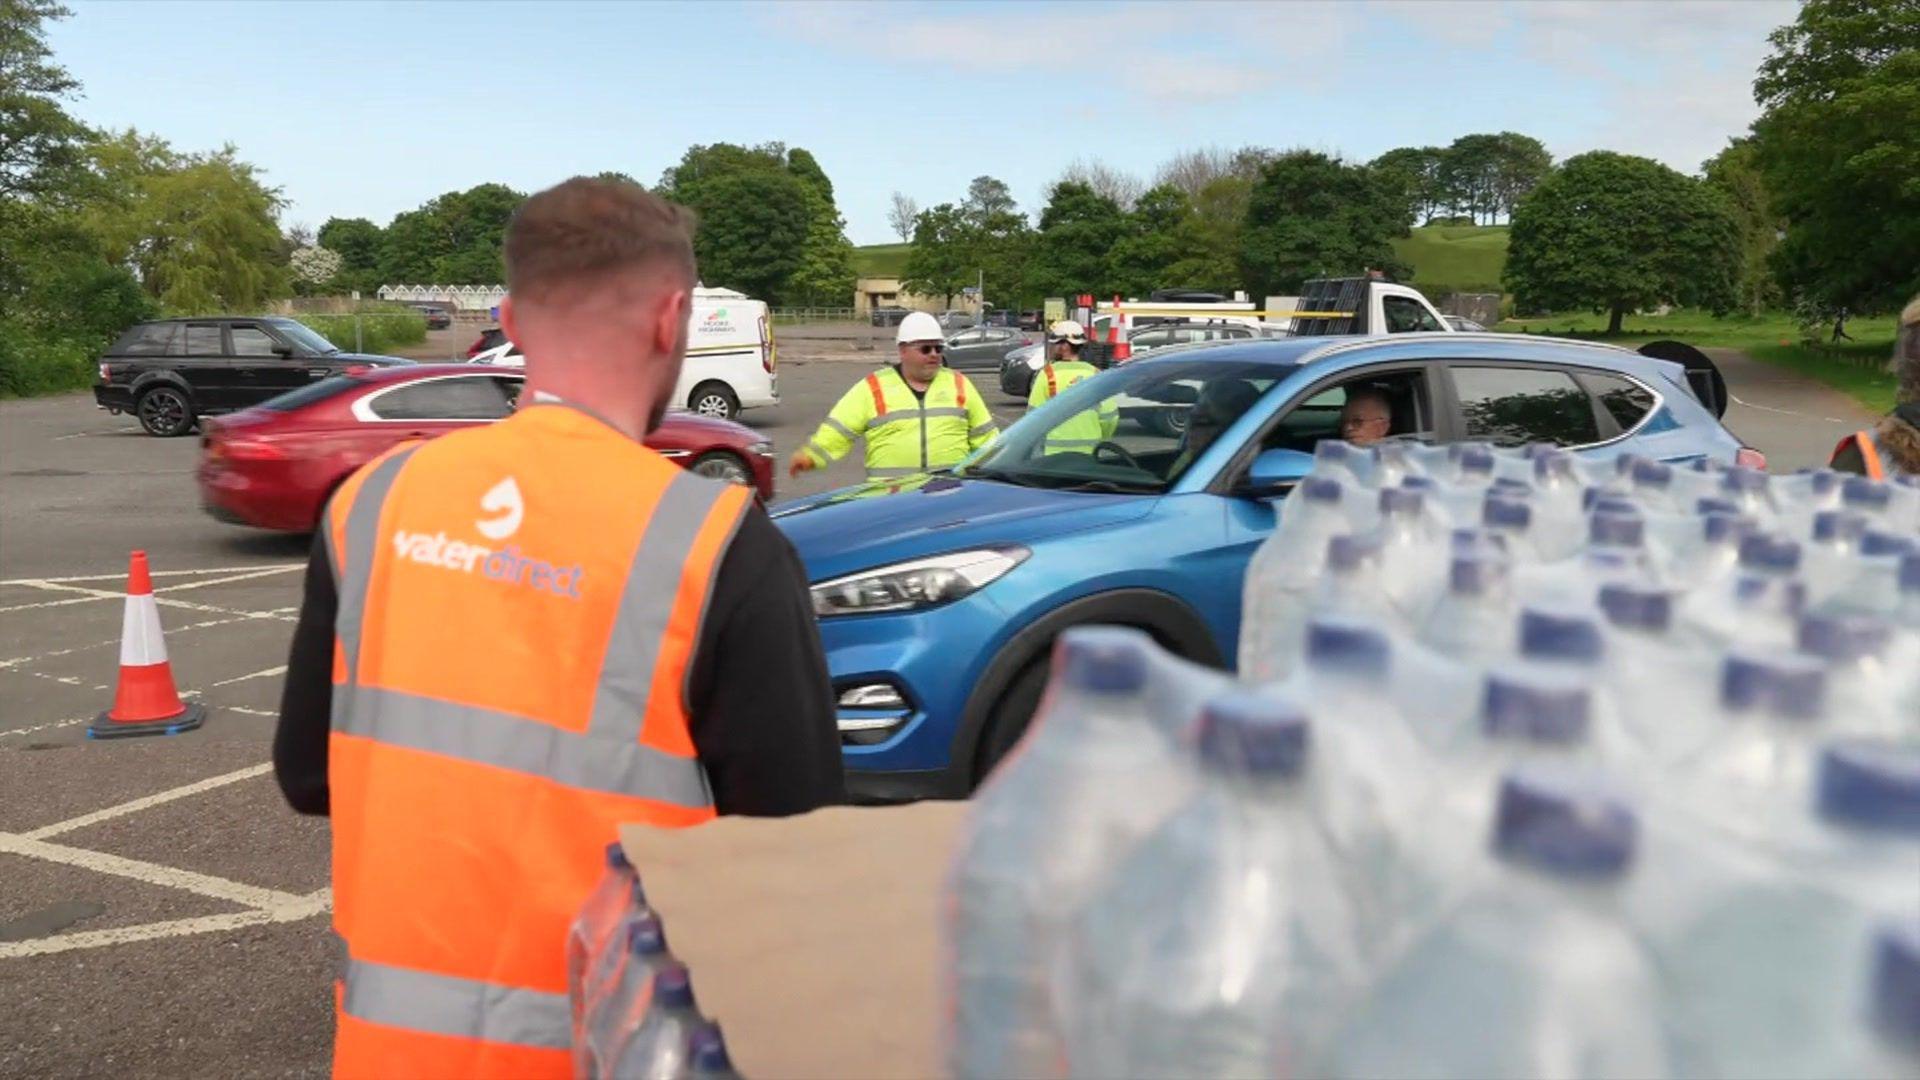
(919, 326)
(1067, 330)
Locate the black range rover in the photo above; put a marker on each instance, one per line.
(170, 372)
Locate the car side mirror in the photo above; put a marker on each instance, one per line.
(281, 348)
(1275, 472)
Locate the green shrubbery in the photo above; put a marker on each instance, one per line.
(32, 363)
(380, 331)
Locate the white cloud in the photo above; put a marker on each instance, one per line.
(1194, 84)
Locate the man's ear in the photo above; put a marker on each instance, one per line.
(674, 310)
(507, 318)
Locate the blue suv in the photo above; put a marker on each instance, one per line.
(939, 597)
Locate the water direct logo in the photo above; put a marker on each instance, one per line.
(508, 509)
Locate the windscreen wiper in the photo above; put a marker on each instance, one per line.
(978, 473)
(1111, 487)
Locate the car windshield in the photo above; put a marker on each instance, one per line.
(305, 337)
(1134, 428)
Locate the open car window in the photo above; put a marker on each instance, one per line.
(1317, 416)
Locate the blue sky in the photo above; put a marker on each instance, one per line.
(367, 109)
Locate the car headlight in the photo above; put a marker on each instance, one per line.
(1037, 361)
(917, 584)
(762, 448)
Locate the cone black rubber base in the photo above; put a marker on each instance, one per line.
(190, 717)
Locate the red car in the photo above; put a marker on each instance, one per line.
(274, 465)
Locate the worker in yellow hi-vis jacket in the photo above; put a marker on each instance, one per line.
(1085, 430)
(916, 414)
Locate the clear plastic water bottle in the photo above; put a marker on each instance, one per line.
(1906, 612)
(1750, 491)
(1536, 973)
(1284, 571)
(596, 933)
(1871, 583)
(1893, 1047)
(1413, 543)
(1760, 602)
(1098, 770)
(1873, 676)
(620, 993)
(707, 1057)
(1349, 584)
(659, 1048)
(1225, 944)
(1657, 679)
(1833, 545)
(1473, 622)
(1804, 495)
(1510, 519)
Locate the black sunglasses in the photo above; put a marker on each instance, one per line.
(931, 350)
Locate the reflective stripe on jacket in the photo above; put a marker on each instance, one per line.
(519, 605)
(905, 435)
(1083, 430)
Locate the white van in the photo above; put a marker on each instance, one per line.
(730, 356)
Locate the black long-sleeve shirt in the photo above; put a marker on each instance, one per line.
(762, 711)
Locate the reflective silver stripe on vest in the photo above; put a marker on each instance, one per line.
(818, 451)
(489, 737)
(981, 430)
(462, 1008)
(936, 412)
(845, 431)
(652, 590)
(354, 568)
(892, 471)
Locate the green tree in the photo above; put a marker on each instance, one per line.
(944, 257)
(1416, 170)
(1735, 173)
(1615, 233)
(825, 274)
(986, 197)
(1469, 175)
(358, 242)
(999, 242)
(1150, 246)
(1838, 146)
(41, 146)
(1520, 162)
(753, 227)
(1312, 215)
(1077, 231)
(452, 239)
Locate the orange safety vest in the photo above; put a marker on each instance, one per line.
(519, 606)
(1869, 453)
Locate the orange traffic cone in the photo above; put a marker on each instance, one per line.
(146, 701)
(1119, 350)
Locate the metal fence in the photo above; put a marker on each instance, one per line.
(797, 315)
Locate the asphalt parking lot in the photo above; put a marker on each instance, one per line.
(161, 911)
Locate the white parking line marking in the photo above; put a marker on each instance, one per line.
(303, 907)
(69, 722)
(19, 660)
(261, 674)
(163, 596)
(155, 799)
(274, 568)
(151, 873)
(1736, 399)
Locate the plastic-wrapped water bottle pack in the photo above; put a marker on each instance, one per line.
(634, 1016)
(1537, 766)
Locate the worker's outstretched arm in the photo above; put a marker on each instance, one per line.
(306, 695)
(845, 422)
(981, 429)
(762, 707)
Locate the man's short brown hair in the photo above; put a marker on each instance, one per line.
(575, 233)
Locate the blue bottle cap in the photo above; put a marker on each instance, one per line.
(1838, 527)
(1871, 784)
(1637, 607)
(1347, 645)
(1350, 551)
(1333, 451)
(1476, 574)
(1552, 466)
(1510, 488)
(1729, 528)
(1396, 454)
(1422, 484)
(1246, 733)
(1479, 542)
(617, 857)
(1534, 451)
(1896, 982)
(1474, 458)
(1505, 513)
(1875, 542)
(1623, 465)
(1769, 554)
(1786, 685)
(647, 936)
(1646, 473)
(1843, 638)
(1712, 504)
(1535, 707)
(1910, 572)
(1865, 492)
(673, 986)
(707, 1050)
(1103, 659)
(1401, 502)
(1321, 489)
(1617, 529)
(1744, 481)
(1607, 498)
(1549, 634)
(1822, 482)
(1563, 822)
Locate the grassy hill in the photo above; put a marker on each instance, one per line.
(1455, 258)
(880, 260)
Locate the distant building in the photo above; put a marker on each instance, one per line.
(880, 292)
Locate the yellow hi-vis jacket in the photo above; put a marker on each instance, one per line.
(905, 435)
(1083, 430)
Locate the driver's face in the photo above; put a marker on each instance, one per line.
(1364, 421)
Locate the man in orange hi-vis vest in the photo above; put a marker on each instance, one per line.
(517, 638)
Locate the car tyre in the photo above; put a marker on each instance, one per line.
(1171, 423)
(1011, 715)
(714, 399)
(165, 411)
(720, 465)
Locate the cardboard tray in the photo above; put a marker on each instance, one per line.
(814, 940)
